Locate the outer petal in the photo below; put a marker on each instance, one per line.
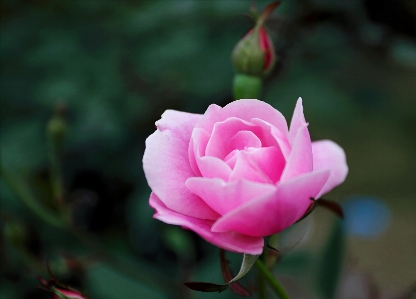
(245, 109)
(197, 146)
(224, 197)
(270, 214)
(298, 121)
(329, 155)
(300, 159)
(231, 241)
(166, 164)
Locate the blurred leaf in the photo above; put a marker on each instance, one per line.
(404, 53)
(106, 283)
(332, 206)
(23, 144)
(293, 235)
(322, 99)
(332, 260)
(179, 241)
(295, 262)
(142, 228)
(310, 209)
(410, 293)
(327, 204)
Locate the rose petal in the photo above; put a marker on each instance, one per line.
(272, 136)
(298, 121)
(223, 197)
(231, 158)
(244, 168)
(223, 132)
(269, 160)
(329, 155)
(264, 165)
(245, 109)
(272, 213)
(300, 159)
(243, 139)
(196, 148)
(166, 164)
(231, 241)
(212, 167)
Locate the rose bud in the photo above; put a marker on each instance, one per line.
(59, 290)
(253, 58)
(254, 54)
(67, 294)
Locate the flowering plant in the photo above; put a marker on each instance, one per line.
(237, 174)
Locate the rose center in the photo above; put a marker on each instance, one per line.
(242, 140)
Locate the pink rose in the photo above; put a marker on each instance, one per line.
(237, 174)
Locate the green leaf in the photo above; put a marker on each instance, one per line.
(325, 203)
(104, 282)
(332, 206)
(312, 207)
(247, 264)
(332, 260)
(228, 276)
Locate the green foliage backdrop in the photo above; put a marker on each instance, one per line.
(117, 65)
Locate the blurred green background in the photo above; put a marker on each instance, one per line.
(117, 65)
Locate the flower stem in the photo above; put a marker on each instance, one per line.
(55, 131)
(272, 256)
(274, 284)
(23, 192)
(261, 287)
(56, 174)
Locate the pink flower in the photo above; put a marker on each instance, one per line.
(237, 174)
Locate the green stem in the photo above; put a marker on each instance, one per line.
(55, 130)
(56, 173)
(274, 284)
(270, 259)
(23, 192)
(261, 287)
(261, 283)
